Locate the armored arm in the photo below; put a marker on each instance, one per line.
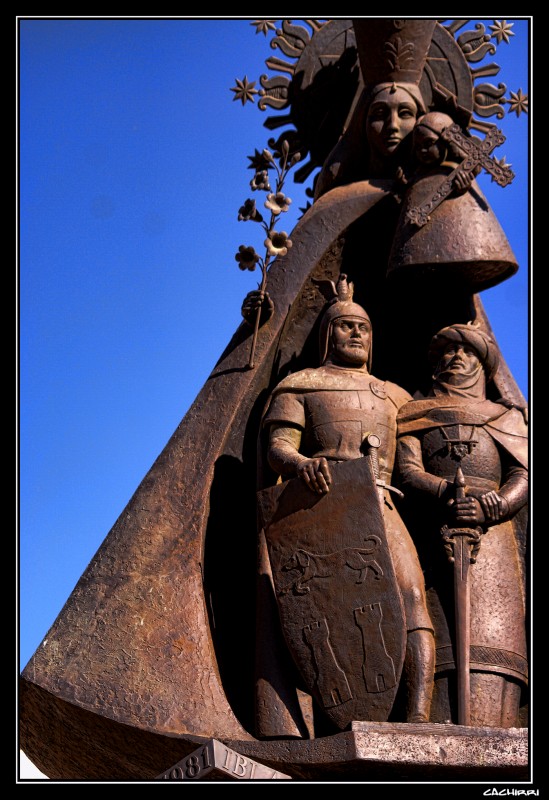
(284, 457)
(510, 434)
(515, 489)
(412, 470)
(509, 499)
(283, 454)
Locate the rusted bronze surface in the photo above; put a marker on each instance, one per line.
(167, 557)
(347, 642)
(337, 591)
(154, 652)
(489, 440)
(462, 245)
(87, 746)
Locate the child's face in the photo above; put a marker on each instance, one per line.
(427, 146)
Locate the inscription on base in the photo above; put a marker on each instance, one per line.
(217, 761)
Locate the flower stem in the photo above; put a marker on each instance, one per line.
(262, 288)
(281, 172)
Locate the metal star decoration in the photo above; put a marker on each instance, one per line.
(502, 30)
(244, 90)
(259, 161)
(518, 102)
(264, 25)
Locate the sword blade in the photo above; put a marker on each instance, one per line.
(462, 553)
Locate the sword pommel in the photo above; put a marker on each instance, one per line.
(459, 482)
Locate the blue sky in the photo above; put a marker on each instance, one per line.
(132, 167)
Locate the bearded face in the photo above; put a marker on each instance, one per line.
(459, 365)
(350, 341)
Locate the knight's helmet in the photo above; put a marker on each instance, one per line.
(340, 305)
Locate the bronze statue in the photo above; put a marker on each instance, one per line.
(158, 647)
(317, 418)
(431, 150)
(377, 142)
(457, 427)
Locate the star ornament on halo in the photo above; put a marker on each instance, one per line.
(502, 30)
(264, 25)
(244, 90)
(518, 102)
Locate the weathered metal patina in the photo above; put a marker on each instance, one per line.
(158, 650)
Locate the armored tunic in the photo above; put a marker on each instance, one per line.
(335, 408)
(493, 457)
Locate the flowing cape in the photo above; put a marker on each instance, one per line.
(505, 425)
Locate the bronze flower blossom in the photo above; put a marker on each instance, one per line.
(247, 258)
(248, 212)
(277, 203)
(277, 243)
(260, 181)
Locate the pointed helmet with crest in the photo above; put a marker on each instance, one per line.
(341, 305)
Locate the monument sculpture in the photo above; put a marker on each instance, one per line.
(457, 438)
(376, 599)
(337, 413)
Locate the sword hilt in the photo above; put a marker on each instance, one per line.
(470, 534)
(373, 443)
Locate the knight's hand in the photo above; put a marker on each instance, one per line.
(494, 506)
(468, 511)
(252, 302)
(316, 474)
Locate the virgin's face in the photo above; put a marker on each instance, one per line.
(391, 117)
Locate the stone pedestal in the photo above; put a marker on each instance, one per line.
(383, 751)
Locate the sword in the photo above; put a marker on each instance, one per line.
(462, 546)
(373, 442)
